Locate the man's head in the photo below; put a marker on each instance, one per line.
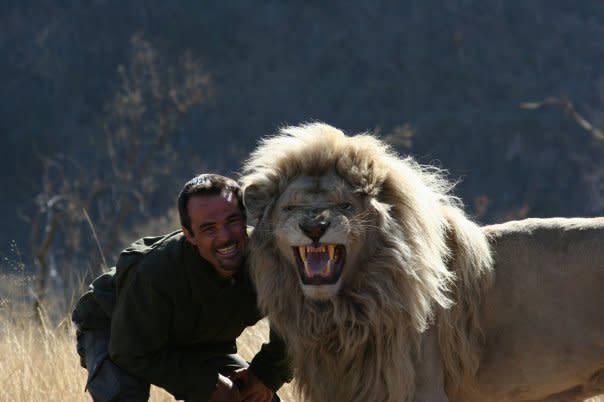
(212, 217)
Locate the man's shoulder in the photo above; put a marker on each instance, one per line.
(156, 258)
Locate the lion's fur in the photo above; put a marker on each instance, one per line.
(424, 263)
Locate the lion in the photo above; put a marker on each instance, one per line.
(384, 290)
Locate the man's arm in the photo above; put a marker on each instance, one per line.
(139, 342)
(252, 389)
(271, 365)
(226, 391)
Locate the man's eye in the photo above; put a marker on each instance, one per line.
(345, 206)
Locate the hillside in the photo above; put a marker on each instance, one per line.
(455, 73)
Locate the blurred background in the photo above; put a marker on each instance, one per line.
(108, 107)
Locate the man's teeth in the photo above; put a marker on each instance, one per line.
(227, 250)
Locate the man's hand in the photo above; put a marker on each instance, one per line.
(225, 391)
(250, 387)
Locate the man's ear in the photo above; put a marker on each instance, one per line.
(190, 238)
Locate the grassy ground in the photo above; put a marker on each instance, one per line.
(41, 364)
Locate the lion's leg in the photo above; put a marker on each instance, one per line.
(429, 376)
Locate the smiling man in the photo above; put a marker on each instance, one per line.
(182, 300)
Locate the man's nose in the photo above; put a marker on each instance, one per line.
(224, 233)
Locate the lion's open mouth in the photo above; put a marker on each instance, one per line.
(320, 264)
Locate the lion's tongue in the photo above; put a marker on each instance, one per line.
(317, 263)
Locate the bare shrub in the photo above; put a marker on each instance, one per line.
(85, 202)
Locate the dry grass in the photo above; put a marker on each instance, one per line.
(38, 364)
(41, 364)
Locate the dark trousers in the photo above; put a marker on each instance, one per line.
(109, 383)
(106, 381)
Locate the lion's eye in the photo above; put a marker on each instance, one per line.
(289, 208)
(345, 206)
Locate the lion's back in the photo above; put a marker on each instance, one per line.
(546, 302)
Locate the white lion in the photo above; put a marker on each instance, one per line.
(385, 291)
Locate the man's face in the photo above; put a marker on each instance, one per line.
(218, 231)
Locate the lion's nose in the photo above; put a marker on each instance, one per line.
(314, 229)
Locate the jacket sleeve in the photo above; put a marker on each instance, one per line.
(271, 364)
(94, 309)
(139, 343)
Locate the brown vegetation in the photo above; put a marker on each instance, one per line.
(83, 207)
(40, 363)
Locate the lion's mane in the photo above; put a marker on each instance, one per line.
(424, 264)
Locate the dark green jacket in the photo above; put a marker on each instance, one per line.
(173, 312)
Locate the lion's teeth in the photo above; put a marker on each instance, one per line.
(302, 251)
(318, 249)
(331, 250)
(308, 273)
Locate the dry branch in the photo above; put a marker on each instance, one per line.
(570, 110)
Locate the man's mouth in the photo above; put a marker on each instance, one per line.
(228, 251)
(320, 264)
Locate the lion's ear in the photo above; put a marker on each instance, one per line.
(257, 202)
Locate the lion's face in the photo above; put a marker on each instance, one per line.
(320, 231)
(383, 244)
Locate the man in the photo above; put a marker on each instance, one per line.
(182, 300)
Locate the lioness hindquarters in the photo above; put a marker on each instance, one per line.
(544, 317)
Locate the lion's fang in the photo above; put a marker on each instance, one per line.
(308, 273)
